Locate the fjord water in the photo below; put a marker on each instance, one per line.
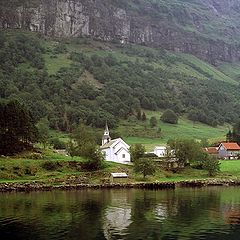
(206, 213)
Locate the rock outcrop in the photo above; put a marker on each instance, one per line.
(207, 29)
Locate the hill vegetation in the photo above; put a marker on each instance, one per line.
(81, 80)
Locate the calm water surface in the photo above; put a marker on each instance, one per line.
(209, 213)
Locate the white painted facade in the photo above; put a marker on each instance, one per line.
(116, 150)
(160, 151)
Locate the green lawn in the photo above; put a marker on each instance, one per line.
(54, 168)
(141, 132)
(231, 167)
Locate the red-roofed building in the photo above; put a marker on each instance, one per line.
(212, 151)
(229, 150)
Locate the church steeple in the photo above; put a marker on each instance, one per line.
(106, 136)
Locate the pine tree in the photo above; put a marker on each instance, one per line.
(139, 114)
(144, 118)
(153, 122)
(229, 136)
(17, 129)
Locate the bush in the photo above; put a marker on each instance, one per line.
(19, 170)
(169, 117)
(35, 155)
(57, 143)
(75, 165)
(5, 175)
(60, 48)
(212, 165)
(30, 155)
(51, 165)
(31, 170)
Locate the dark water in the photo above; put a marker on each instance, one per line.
(211, 213)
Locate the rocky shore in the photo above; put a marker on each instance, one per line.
(41, 186)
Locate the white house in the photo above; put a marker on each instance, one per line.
(229, 150)
(160, 151)
(115, 150)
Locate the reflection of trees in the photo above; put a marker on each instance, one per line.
(167, 214)
(121, 214)
(72, 215)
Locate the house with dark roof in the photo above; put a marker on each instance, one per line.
(229, 150)
(114, 150)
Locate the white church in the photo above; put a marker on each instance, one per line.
(114, 150)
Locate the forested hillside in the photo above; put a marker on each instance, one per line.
(80, 79)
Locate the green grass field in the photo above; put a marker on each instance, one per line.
(211, 70)
(141, 132)
(54, 168)
(54, 62)
(231, 168)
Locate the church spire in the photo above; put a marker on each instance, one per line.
(106, 128)
(106, 135)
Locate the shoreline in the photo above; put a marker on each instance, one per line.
(41, 186)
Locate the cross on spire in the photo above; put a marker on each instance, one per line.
(106, 136)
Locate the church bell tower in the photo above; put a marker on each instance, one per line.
(106, 137)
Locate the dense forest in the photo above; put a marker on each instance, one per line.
(124, 79)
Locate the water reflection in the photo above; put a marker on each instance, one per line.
(117, 216)
(210, 213)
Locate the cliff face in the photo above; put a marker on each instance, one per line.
(205, 28)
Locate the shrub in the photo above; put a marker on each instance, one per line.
(75, 165)
(30, 155)
(169, 117)
(31, 170)
(60, 48)
(19, 170)
(51, 165)
(5, 175)
(57, 143)
(212, 165)
(35, 155)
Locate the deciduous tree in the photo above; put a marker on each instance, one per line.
(137, 151)
(145, 166)
(169, 117)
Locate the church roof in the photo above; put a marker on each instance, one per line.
(111, 143)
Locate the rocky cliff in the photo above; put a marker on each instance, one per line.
(205, 28)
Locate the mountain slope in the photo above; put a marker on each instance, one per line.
(207, 29)
(93, 81)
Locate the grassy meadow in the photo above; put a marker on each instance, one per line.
(55, 168)
(141, 132)
(185, 63)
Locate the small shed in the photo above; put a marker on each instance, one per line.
(118, 178)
